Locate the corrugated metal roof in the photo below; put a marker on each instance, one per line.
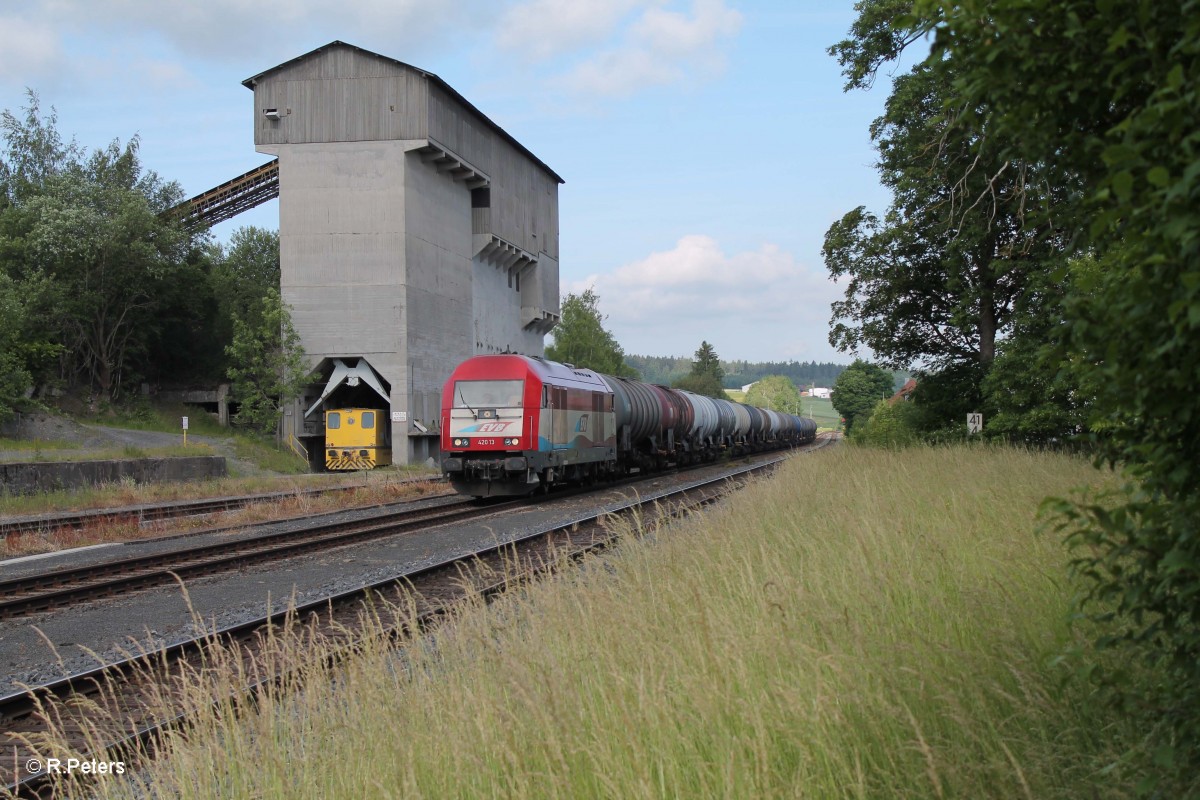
(250, 83)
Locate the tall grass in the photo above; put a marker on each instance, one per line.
(866, 624)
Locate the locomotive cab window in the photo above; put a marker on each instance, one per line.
(488, 394)
(333, 421)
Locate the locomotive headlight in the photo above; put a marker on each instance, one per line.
(460, 442)
(511, 442)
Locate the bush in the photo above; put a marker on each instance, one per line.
(889, 425)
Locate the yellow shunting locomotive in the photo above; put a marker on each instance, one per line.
(356, 438)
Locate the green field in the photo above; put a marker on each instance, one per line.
(902, 634)
(821, 411)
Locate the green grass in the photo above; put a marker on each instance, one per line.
(821, 411)
(168, 418)
(34, 445)
(163, 418)
(115, 453)
(897, 634)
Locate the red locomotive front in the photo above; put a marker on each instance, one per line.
(512, 424)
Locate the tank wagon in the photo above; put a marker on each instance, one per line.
(513, 424)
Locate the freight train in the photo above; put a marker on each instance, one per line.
(513, 425)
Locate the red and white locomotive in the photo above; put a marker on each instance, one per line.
(512, 424)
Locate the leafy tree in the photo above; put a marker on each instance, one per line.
(243, 275)
(1131, 137)
(267, 364)
(858, 389)
(1103, 98)
(245, 272)
(185, 340)
(937, 279)
(1037, 391)
(581, 339)
(706, 375)
(93, 226)
(15, 379)
(889, 425)
(775, 392)
(34, 151)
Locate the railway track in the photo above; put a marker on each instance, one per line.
(153, 512)
(66, 587)
(131, 728)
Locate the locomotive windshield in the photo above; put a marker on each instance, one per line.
(488, 394)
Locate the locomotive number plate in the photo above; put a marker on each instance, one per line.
(486, 442)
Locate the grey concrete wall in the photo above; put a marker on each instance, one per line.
(30, 478)
(341, 243)
(437, 251)
(381, 257)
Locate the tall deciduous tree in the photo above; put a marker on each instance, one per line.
(1124, 78)
(94, 227)
(246, 270)
(15, 379)
(937, 279)
(580, 338)
(244, 273)
(776, 392)
(858, 389)
(1103, 98)
(267, 364)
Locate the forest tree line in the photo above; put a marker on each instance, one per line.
(668, 369)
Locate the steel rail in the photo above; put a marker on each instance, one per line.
(50, 590)
(151, 512)
(21, 707)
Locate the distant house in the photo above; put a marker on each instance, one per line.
(821, 392)
(904, 392)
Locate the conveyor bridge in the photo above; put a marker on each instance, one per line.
(232, 197)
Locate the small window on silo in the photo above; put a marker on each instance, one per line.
(481, 197)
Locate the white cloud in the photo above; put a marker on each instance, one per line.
(541, 29)
(760, 304)
(660, 47)
(577, 48)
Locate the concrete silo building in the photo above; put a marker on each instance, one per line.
(414, 233)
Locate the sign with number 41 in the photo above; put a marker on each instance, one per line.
(974, 422)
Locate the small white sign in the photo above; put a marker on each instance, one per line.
(974, 422)
(399, 416)
(185, 423)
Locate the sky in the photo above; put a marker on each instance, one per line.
(706, 145)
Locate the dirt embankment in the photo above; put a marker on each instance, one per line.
(86, 442)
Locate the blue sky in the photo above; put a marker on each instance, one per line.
(706, 145)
